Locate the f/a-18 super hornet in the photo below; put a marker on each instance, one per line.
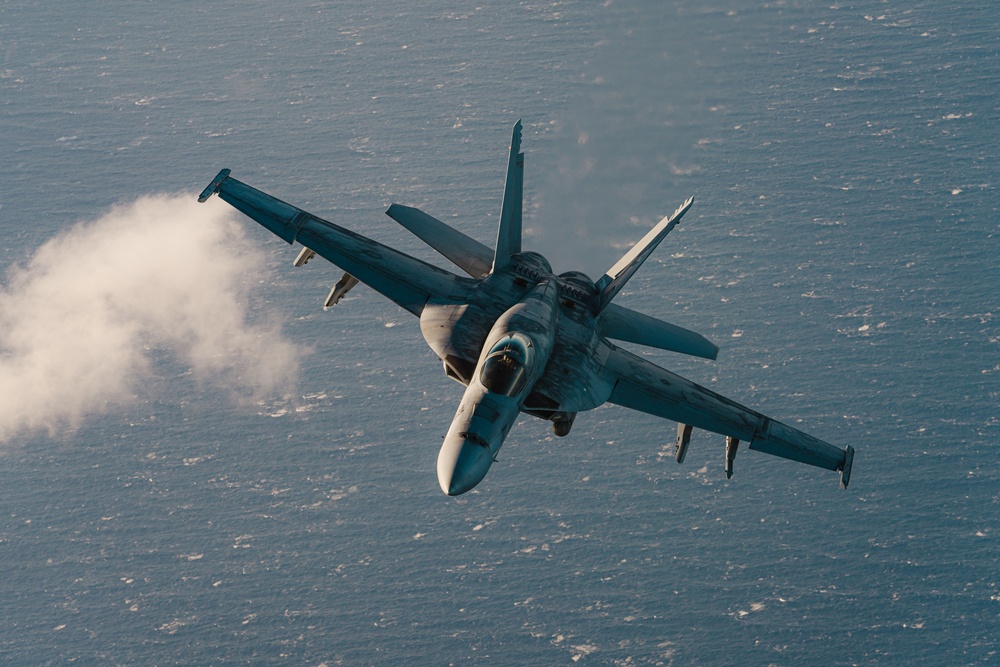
(522, 339)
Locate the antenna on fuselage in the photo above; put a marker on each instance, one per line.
(509, 233)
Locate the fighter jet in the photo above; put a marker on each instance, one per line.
(524, 340)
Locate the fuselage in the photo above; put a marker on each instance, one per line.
(514, 357)
(515, 322)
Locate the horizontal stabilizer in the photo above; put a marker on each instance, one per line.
(464, 252)
(614, 280)
(627, 325)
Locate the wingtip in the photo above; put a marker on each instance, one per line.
(214, 186)
(845, 470)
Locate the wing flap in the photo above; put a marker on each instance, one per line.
(648, 388)
(403, 279)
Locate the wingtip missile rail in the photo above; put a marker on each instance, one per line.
(845, 470)
(214, 186)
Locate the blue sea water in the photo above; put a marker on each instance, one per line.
(843, 252)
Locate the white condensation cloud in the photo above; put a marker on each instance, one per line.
(81, 318)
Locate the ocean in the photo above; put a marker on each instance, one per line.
(201, 466)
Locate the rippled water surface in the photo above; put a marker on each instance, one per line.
(842, 251)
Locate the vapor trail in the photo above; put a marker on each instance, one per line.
(78, 322)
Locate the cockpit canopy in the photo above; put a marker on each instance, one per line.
(507, 366)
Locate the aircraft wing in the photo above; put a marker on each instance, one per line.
(648, 388)
(406, 280)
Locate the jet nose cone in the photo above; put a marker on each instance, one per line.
(461, 465)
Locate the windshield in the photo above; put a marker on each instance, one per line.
(505, 370)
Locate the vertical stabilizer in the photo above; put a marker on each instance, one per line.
(509, 234)
(614, 280)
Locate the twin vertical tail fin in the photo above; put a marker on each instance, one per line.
(468, 254)
(614, 280)
(509, 233)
